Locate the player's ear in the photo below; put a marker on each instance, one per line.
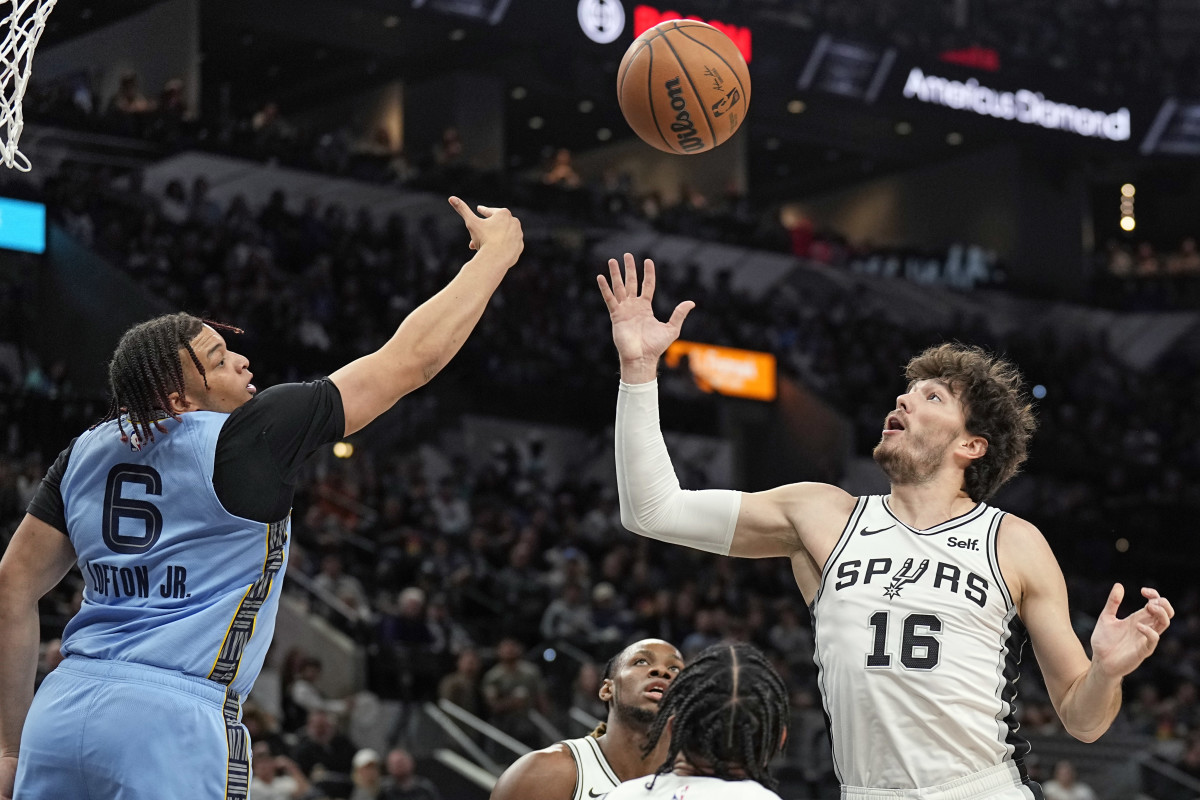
(606, 690)
(974, 447)
(179, 402)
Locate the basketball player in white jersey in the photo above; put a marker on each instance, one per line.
(725, 719)
(921, 599)
(580, 769)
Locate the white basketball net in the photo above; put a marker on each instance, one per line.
(22, 29)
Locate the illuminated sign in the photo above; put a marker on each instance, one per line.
(726, 370)
(973, 56)
(959, 267)
(646, 17)
(602, 20)
(1175, 130)
(1030, 108)
(22, 225)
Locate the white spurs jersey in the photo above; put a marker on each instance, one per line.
(593, 776)
(918, 646)
(690, 787)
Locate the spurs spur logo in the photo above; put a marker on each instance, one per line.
(905, 575)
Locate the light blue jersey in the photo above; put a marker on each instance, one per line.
(172, 579)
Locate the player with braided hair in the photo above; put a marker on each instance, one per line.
(634, 683)
(725, 718)
(176, 508)
(145, 371)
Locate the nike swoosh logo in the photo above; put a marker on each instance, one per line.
(865, 532)
(592, 793)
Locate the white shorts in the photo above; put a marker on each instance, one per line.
(1001, 782)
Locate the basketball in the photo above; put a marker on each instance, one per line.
(683, 87)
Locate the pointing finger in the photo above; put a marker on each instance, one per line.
(463, 209)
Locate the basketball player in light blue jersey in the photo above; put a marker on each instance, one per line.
(922, 599)
(176, 511)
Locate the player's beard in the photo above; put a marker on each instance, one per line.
(634, 716)
(913, 462)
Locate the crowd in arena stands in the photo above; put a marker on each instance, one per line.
(1145, 278)
(1116, 47)
(458, 583)
(1139, 277)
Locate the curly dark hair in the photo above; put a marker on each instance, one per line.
(992, 392)
(146, 368)
(731, 710)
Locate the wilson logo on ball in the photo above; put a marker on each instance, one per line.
(684, 129)
(683, 87)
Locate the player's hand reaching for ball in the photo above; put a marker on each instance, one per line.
(1120, 645)
(494, 228)
(640, 338)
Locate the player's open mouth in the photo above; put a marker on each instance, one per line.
(892, 424)
(250, 388)
(655, 690)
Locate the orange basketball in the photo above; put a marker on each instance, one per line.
(683, 87)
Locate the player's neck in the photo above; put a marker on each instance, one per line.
(924, 505)
(622, 747)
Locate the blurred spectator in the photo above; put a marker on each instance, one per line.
(461, 686)
(585, 691)
(277, 777)
(402, 781)
(561, 172)
(367, 775)
(305, 694)
(1065, 785)
(569, 618)
(321, 748)
(511, 688)
(128, 103)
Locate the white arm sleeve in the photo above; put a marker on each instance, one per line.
(652, 504)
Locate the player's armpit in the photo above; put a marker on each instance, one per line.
(548, 773)
(787, 519)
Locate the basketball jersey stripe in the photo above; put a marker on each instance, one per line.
(994, 558)
(593, 775)
(241, 626)
(237, 769)
(843, 540)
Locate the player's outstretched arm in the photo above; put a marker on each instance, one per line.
(433, 333)
(1085, 693)
(37, 558)
(652, 503)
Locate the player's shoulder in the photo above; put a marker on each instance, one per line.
(823, 496)
(549, 772)
(1017, 532)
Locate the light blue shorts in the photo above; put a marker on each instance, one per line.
(120, 731)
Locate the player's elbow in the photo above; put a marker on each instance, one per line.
(1088, 736)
